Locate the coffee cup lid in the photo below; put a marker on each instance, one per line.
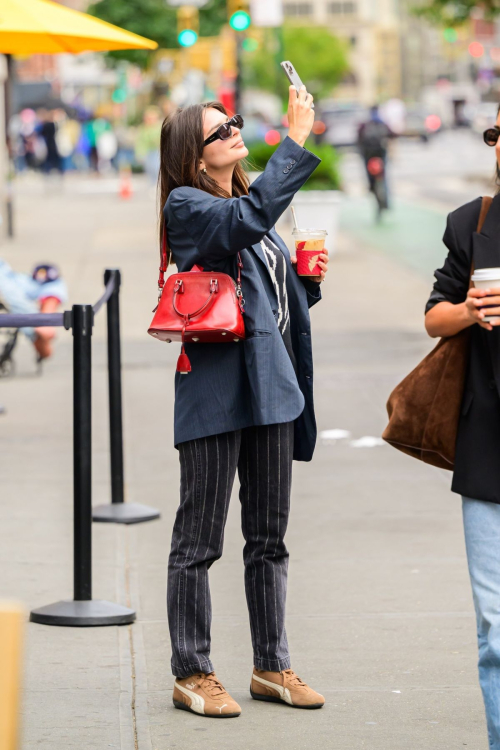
(485, 274)
(296, 230)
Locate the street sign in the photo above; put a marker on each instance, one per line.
(195, 3)
(266, 12)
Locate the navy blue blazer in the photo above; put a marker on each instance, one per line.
(253, 382)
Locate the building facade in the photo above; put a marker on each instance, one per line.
(371, 28)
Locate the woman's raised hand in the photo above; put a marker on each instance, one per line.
(300, 114)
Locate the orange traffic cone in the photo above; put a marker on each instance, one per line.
(125, 184)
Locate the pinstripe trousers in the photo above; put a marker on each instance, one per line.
(263, 457)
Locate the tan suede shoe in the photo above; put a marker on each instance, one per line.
(203, 694)
(284, 687)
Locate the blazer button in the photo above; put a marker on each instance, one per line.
(285, 171)
(292, 161)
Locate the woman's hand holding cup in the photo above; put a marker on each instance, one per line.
(322, 263)
(477, 300)
(300, 114)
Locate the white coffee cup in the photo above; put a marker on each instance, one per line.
(487, 278)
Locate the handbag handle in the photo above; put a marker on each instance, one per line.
(164, 263)
(214, 287)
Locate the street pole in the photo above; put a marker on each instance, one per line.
(238, 81)
(4, 160)
(8, 111)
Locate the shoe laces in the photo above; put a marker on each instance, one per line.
(294, 679)
(212, 684)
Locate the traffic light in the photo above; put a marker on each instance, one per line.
(239, 17)
(187, 25)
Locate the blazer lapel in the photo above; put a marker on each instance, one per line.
(486, 254)
(273, 234)
(266, 276)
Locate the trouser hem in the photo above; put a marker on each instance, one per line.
(202, 665)
(273, 665)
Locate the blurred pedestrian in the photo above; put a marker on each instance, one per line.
(47, 129)
(67, 135)
(147, 147)
(454, 306)
(42, 291)
(246, 407)
(106, 144)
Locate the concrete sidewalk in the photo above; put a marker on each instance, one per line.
(380, 616)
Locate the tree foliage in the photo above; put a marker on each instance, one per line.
(156, 20)
(319, 57)
(455, 12)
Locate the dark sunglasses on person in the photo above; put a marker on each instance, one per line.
(491, 136)
(224, 131)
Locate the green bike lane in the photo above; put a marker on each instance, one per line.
(409, 233)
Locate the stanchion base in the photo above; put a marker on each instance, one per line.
(124, 513)
(92, 613)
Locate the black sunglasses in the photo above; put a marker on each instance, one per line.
(491, 136)
(224, 131)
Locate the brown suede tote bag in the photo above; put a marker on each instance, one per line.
(424, 408)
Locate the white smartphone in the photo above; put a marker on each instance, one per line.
(293, 76)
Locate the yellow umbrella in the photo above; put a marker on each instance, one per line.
(30, 27)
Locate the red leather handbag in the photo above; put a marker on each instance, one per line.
(197, 306)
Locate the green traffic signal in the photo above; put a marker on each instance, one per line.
(187, 38)
(240, 20)
(450, 35)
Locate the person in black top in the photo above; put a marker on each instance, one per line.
(451, 308)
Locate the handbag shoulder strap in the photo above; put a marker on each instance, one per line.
(163, 259)
(164, 263)
(485, 207)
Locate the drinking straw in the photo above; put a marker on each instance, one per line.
(294, 217)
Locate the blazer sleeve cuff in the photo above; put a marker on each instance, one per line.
(313, 289)
(291, 149)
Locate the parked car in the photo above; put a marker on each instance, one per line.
(420, 123)
(342, 121)
(482, 116)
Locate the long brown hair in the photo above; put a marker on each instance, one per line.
(181, 148)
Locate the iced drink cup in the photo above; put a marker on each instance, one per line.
(487, 278)
(309, 243)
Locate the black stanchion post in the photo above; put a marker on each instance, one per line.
(82, 451)
(118, 511)
(83, 610)
(115, 390)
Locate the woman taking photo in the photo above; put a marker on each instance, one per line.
(451, 308)
(245, 407)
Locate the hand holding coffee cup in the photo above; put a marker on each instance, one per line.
(311, 256)
(483, 300)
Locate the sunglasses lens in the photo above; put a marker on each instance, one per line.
(238, 121)
(225, 131)
(491, 136)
